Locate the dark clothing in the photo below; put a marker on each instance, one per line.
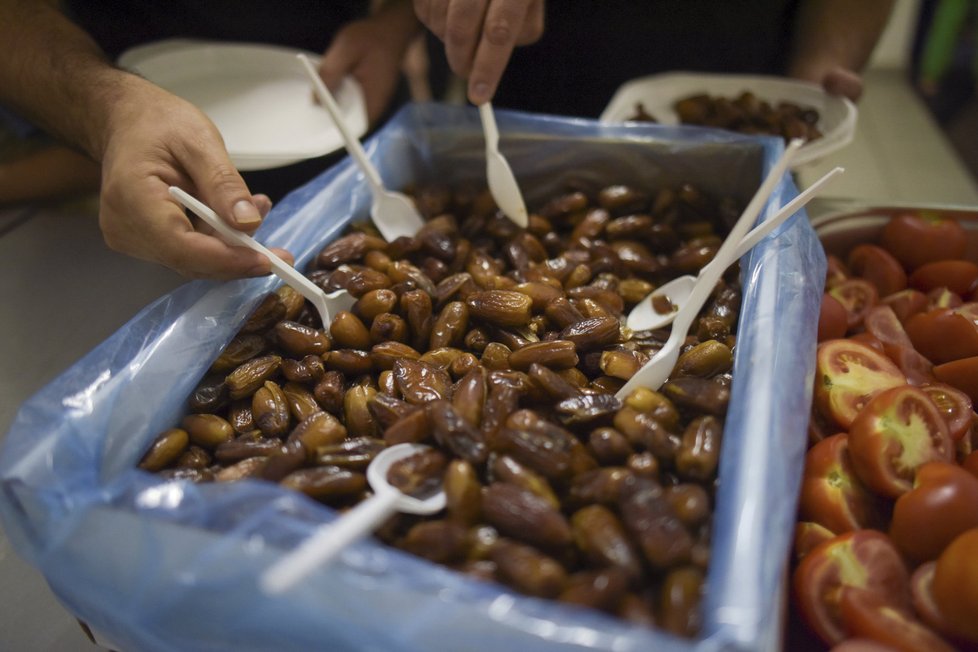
(591, 47)
(117, 25)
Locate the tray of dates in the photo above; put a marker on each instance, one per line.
(886, 545)
(156, 479)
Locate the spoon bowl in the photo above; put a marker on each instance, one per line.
(328, 541)
(325, 304)
(644, 316)
(655, 372)
(393, 213)
(502, 183)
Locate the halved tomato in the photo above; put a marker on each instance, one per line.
(955, 585)
(943, 298)
(866, 614)
(959, 276)
(898, 431)
(857, 296)
(942, 335)
(961, 374)
(864, 559)
(942, 504)
(835, 271)
(918, 238)
(832, 319)
(906, 303)
(918, 369)
(831, 494)
(882, 322)
(954, 405)
(879, 267)
(847, 375)
(808, 536)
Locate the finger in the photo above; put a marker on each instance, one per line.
(463, 29)
(337, 61)
(433, 14)
(218, 182)
(503, 22)
(264, 204)
(846, 83)
(533, 24)
(199, 255)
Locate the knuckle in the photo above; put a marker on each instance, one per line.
(499, 31)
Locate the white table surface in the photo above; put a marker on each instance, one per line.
(63, 292)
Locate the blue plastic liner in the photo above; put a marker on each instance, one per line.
(154, 565)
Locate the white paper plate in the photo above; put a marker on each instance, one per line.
(837, 115)
(258, 96)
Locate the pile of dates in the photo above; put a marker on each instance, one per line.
(502, 348)
(746, 114)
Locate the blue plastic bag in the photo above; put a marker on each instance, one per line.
(154, 565)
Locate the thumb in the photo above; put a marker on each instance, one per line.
(338, 61)
(222, 188)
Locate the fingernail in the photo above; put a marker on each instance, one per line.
(480, 93)
(245, 213)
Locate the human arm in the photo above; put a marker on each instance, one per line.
(372, 51)
(480, 36)
(145, 138)
(834, 40)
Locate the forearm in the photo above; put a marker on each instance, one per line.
(53, 73)
(836, 33)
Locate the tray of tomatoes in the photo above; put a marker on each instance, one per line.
(886, 541)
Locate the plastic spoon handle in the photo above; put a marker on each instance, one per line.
(725, 256)
(330, 540)
(758, 232)
(489, 127)
(281, 268)
(353, 145)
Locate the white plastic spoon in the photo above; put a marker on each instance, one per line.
(644, 315)
(502, 184)
(655, 372)
(393, 213)
(326, 305)
(330, 540)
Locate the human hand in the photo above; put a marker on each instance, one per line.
(480, 36)
(372, 51)
(154, 140)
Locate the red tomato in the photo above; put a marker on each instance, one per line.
(857, 296)
(970, 463)
(942, 504)
(881, 322)
(958, 276)
(961, 374)
(866, 614)
(906, 303)
(832, 319)
(879, 267)
(955, 586)
(864, 559)
(943, 298)
(847, 375)
(954, 405)
(942, 335)
(898, 431)
(831, 494)
(921, 591)
(918, 369)
(835, 271)
(808, 536)
(916, 239)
